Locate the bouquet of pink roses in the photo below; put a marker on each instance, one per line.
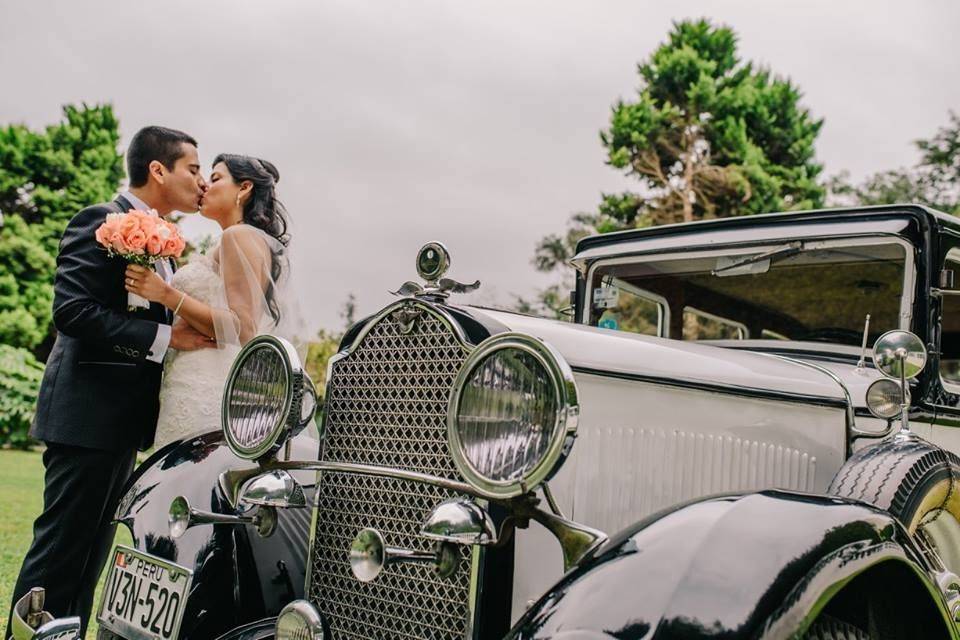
(141, 238)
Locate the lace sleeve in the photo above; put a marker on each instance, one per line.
(245, 262)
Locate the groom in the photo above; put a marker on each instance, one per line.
(99, 396)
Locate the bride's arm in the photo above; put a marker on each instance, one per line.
(197, 314)
(148, 284)
(244, 260)
(245, 270)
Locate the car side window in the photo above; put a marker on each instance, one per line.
(950, 328)
(621, 306)
(700, 325)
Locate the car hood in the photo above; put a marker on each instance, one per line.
(603, 351)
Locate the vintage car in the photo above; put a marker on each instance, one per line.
(746, 431)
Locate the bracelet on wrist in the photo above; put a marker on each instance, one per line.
(183, 296)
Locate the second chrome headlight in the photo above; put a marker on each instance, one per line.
(267, 399)
(513, 414)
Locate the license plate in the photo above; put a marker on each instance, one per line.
(144, 597)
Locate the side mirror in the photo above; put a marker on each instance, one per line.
(900, 355)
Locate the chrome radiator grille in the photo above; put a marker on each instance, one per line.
(386, 406)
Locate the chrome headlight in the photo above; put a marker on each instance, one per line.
(267, 399)
(884, 398)
(299, 620)
(513, 414)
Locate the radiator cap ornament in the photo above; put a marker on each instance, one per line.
(433, 261)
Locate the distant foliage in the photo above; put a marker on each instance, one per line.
(325, 345)
(45, 178)
(20, 376)
(319, 352)
(934, 180)
(706, 136)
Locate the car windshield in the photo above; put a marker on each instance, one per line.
(811, 291)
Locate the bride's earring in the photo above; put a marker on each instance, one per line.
(238, 199)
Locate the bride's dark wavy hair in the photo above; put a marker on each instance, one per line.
(262, 210)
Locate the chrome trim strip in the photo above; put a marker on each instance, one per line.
(308, 580)
(473, 599)
(441, 314)
(712, 387)
(231, 481)
(852, 432)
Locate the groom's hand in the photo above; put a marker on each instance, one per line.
(183, 337)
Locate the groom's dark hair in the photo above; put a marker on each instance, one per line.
(154, 143)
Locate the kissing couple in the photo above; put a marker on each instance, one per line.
(121, 378)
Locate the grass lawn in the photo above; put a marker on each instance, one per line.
(21, 485)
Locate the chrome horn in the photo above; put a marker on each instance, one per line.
(182, 516)
(369, 554)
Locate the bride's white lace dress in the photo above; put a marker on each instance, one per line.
(193, 381)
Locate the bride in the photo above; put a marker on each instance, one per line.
(237, 290)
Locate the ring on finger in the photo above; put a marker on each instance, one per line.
(129, 280)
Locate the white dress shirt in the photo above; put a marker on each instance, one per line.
(162, 340)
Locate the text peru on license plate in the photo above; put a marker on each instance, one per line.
(144, 596)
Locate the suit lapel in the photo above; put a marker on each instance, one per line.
(123, 203)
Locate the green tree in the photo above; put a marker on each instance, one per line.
(20, 376)
(934, 180)
(707, 135)
(325, 345)
(45, 178)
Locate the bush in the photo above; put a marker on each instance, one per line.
(319, 352)
(20, 376)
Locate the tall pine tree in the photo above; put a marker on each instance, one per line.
(707, 135)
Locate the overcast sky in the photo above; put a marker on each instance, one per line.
(474, 123)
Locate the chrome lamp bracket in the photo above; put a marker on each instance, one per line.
(28, 620)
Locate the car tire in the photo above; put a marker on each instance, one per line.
(828, 628)
(915, 481)
(908, 477)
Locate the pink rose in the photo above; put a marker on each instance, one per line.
(128, 224)
(149, 224)
(154, 243)
(103, 235)
(136, 241)
(173, 246)
(118, 243)
(106, 230)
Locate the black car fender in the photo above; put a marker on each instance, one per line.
(259, 630)
(239, 577)
(759, 565)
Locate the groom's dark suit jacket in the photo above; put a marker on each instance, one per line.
(99, 390)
